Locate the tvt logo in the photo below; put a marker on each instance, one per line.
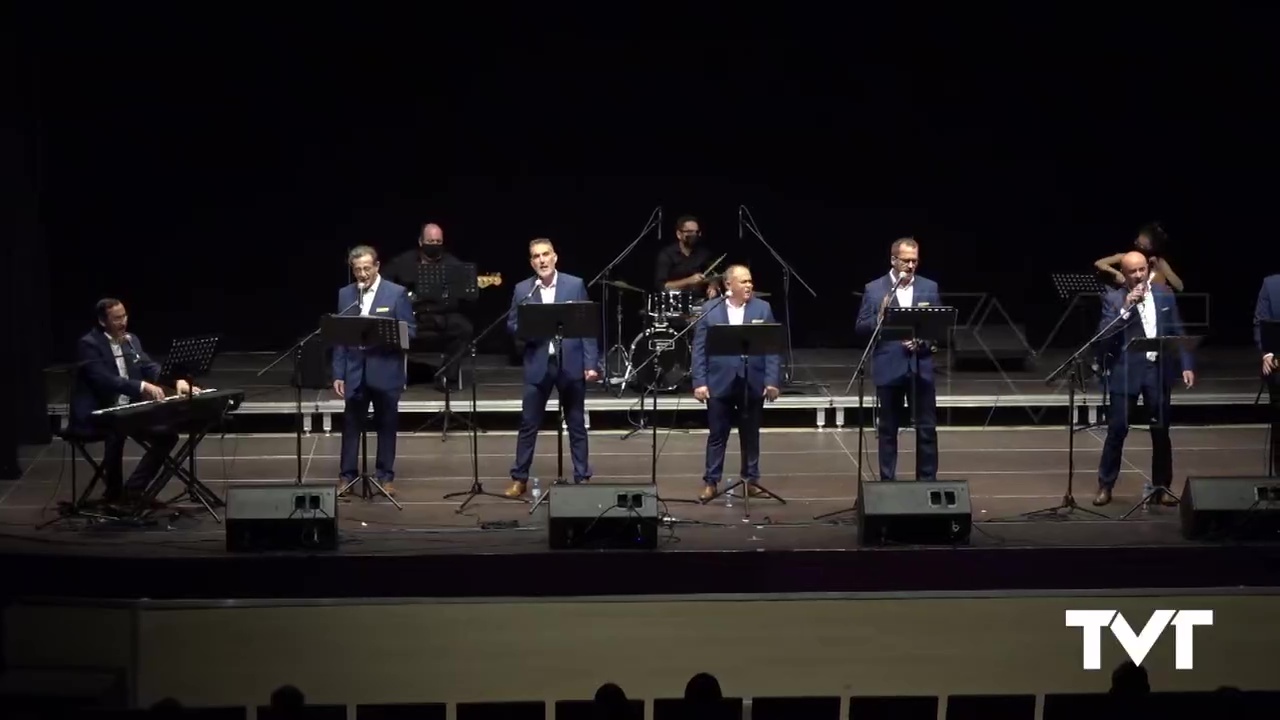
(1138, 645)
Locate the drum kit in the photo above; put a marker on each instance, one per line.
(668, 315)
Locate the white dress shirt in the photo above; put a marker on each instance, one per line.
(366, 300)
(1147, 311)
(547, 293)
(736, 312)
(906, 293)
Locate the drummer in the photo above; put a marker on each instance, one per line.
(681, 264)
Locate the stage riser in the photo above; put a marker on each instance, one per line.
(694, 417)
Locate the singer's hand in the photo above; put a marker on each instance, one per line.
(911, 345)
(591, 375)
(1188, 378)
(340, 388)
(702, 393)
(152, 392)
(1135, 296)
(771, 393)
(1268, 364)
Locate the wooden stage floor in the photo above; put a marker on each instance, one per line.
(1009, 472)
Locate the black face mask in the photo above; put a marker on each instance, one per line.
(432, 251)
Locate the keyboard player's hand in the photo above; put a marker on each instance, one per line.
(152, 392)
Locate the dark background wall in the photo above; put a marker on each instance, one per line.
(211, 167)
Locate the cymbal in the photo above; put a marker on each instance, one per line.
(623, 286)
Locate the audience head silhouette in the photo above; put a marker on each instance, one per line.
(1129, 680)
(704, 688)
(611, 703)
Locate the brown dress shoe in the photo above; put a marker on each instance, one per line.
(708, 492)
(516, 490)
(756, 491)
(391, 489)
(1103, 498)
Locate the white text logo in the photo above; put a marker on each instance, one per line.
(1138, 645)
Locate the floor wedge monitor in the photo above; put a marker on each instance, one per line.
(915, 513)
(600, 515)
(280, 516)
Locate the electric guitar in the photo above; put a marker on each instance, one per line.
(490, 280)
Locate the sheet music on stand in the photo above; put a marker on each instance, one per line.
(446, 283)
(189, 358)
(1069, 285)
(364, 331)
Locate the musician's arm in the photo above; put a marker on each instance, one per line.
(149, 369)
(404, 311)
(101, 373)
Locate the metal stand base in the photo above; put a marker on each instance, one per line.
(746, 495)
(1068, 504)
(369, 486)
(1151, 497)
(477, 490)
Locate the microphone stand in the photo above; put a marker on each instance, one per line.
(603, 277)
(749, 223)
(477, 488)
(653, 460)
(296, 353)
(860, 375)
(1075, 377)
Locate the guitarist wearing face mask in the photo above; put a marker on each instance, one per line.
(441, 325)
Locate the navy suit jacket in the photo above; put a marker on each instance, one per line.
(384, 365)
(717, 372)
(1268, 307)
(579, 354)
(891, 361)
(98, 381)
(1127, 367)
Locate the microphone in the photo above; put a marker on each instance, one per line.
(659, 223)
(133, 350)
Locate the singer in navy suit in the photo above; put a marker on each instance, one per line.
(371, 376)
(112, 369)
(903, 373)
(568, 372)
(1138, 310)
(718, 381)
(1268, 310)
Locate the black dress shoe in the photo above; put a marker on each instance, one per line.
(1103, 498)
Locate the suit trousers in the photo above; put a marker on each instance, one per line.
(573, 398)
(899, 402)
(385, 418)
(721, 412)
(148, 467)
(1273, 392)
(1156, 396)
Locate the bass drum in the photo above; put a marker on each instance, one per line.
(672, 367)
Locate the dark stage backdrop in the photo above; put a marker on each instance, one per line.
(213, 173)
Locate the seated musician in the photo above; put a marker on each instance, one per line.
(114, 370)
(437, 321)
(681, 264)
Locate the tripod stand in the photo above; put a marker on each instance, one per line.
(603, 277)
(750, 339)
(365, 333)
(445, 284)
(745, 220)
(477, 488)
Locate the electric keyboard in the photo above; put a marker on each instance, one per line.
(175, 413)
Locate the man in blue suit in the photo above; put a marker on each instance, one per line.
(718, 381)
(568, 369)
(902, 370)
(1144, 309)
(374, 375)
(113, 369)
(1268, 310)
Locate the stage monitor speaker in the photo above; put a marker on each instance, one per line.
(601, 515)
(282, 517)
(915, 513)
(1237, 508)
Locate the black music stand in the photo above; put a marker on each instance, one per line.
(365, 332)
(1162, 346)
(556, 322)
(1270, 333)
(446, 284)
(746, 341)
(188, 359)
(925, 324)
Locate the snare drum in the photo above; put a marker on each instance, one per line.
(670, 304)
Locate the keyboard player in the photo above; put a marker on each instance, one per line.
(112, 369)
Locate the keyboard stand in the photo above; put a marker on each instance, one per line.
(173, 467)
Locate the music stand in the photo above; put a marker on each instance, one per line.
(746, 341)
(556, 322)
(923, 324)
(1270, 335)
(445, 284)
(1072, 285)
(365, 333)
(1161, 346)
(188, 359)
